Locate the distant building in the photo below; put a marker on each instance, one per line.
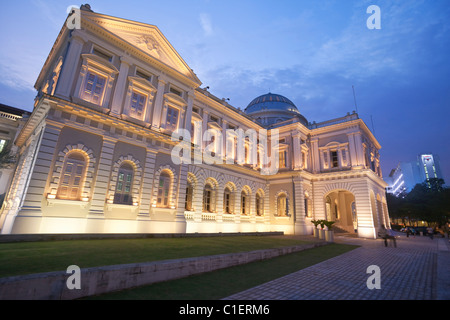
(10, 124)
(407, 174)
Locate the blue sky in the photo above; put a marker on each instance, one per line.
(310, 51)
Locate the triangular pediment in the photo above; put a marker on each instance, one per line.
(147, 38)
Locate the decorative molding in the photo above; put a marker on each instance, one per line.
(137, 178)
(172, 190)
(58, 168)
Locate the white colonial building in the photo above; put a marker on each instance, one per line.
(97, 153)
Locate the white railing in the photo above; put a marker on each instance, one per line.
(9, 116)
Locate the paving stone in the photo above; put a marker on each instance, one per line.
(408, 272)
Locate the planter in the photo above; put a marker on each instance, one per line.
(321, 234)
(329, 236)
(316, 232)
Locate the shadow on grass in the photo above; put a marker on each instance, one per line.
(46, 256)
(222, 283)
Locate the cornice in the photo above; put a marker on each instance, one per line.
(223, 109)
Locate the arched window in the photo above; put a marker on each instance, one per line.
(123, 193)
(162, 200)
(72, 176)
(245, 203)
(228, 201)
(208, 198)
(282, 205)
(259, 205)
(189, 196)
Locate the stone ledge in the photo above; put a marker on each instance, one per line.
(100, 280)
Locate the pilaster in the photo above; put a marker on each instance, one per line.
(69, 68)
(159, 101)
(147, 183)
(117, 102)
(102, 177)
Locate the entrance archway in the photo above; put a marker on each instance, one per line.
(340, 206)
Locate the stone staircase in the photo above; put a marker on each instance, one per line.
(343, 232)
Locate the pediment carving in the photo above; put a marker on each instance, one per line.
(148, 38)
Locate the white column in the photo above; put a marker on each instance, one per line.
(180, 220)
(147, 183)
(300, 224)
(352, 150)
(69, 70)
(188, 118)
(315, 155)
(359, 149)
(297, 154)
(117, 102)
(159, 100)
(102, 177)
(204, 128)
(224, 139)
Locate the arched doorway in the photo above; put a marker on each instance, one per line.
(340, 206)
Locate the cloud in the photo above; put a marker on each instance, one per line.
(17, 73)
(205, 21)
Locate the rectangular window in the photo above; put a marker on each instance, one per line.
(227, 203)
(123, 187)
(175, 91)
(94, 88)
(334, 159)
(163, 191)
(137, 107)
(143, 75)
(71, 179)
(282, 155)
(172, 119)
(207, 201)
(102, 54)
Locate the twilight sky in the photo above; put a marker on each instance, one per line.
(310, 51)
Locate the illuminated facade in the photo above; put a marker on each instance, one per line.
(11, 122)
(96, 153)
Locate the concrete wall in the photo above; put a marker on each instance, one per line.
(99, 280)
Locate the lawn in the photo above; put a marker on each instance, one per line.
(225, 282)
(35, 257)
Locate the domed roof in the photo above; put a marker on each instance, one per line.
(271, 108)
(271, 101)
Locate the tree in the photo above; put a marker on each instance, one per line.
(6, 157)
(428, 201)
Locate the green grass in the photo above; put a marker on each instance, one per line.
(35, 257)
(222, 283)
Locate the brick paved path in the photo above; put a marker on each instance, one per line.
(417, 269)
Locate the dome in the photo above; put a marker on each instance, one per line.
(271, 108)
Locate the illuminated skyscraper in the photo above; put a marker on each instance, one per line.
(407, 174)
(429, 167)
